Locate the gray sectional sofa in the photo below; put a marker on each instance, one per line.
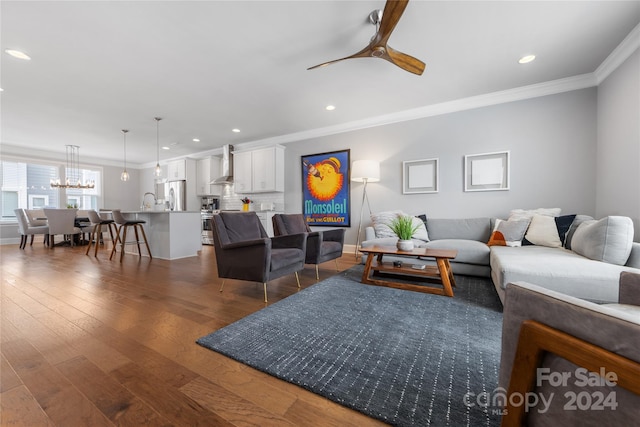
(556, 268)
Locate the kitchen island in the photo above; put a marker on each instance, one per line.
(171, 234)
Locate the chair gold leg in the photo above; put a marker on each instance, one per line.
(337, 268)
(297, 279)
(222, 286)
(317, 273)
(264, 285)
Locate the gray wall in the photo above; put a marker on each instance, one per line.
(552, 141)
(618, 191)
(119, 194)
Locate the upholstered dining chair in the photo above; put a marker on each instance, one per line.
(122, 224)
(36, 217)
(95, 237)
(25, 229)
(244, 251)
(322, 246)
(61, 222)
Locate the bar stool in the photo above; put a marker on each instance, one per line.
(121, 225)
(95, 236)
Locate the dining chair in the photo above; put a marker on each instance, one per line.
(36, 217)
(95, 236)
(322, 246)
(61, 221)
(122, 224)
(25, 229)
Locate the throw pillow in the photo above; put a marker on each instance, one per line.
(543, 231)
(512, 231)
(563, 223)
(529, 213)
(609, 239)
(381, 223)
(421, 231)
(497, 239)
(579, 219)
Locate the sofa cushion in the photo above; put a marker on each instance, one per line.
(608, 239)
(510, 232)
(579, 219)
(381, 222)
(543, 231)
(478, 229)
(556, 268)
(563, 224)
(391, 241)
(469, 251)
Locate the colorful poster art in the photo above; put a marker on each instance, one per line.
(325, 189)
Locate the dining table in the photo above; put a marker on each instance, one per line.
(80, 222)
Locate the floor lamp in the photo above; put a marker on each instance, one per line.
(364, 171)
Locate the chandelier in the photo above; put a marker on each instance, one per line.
(72, 171)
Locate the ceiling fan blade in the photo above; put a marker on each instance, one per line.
(393, 10)
(404, 61)
(364, 53)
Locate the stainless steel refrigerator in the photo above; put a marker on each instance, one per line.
(175, 195)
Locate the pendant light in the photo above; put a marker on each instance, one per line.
(124, 176)
(158, 170)
(72, 171)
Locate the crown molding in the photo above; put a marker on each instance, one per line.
(553, 87)
(49, 156)
(620, 54)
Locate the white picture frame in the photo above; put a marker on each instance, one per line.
(420, 176)
(487, 171)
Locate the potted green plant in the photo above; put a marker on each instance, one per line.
(404, 228)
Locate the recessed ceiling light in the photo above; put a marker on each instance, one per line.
(196, 140)
(236, 130)
(330, 107)
(1, 90)
(18, 54)
(165, 148)
(526, 59)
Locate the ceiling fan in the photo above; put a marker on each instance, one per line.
(385, 22)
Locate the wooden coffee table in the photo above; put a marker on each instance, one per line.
(442, 272)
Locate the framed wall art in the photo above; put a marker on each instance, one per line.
(326, 190)
(486, 172)
(420, 176)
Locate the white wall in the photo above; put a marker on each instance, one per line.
(618, 146)
(552, 141)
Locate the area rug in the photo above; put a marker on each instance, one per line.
(403, 357)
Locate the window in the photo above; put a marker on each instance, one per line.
(27, 185)
(38, 201)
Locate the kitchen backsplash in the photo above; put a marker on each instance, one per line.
(229, 200)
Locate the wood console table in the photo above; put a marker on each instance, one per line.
(442, 272)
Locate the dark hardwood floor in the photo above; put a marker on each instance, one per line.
(90, 342)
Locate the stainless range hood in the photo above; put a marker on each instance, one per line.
(226, 166)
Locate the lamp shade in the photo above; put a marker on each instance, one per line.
(365, 170)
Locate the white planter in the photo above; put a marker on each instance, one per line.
(405, 245)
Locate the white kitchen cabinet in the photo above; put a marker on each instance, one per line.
(208, 169)
(259, 171)
(242, 172)
(266, 218)
(177, 170)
